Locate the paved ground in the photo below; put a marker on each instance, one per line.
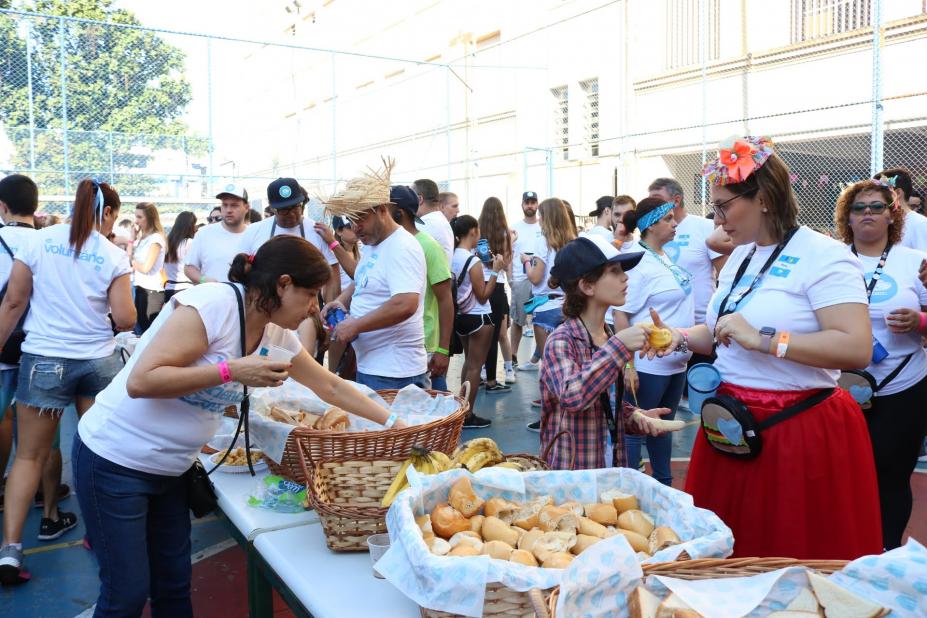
(64, 581)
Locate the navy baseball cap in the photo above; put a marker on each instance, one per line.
(339, 223)
(529, 195)
(583, 255)
(405, 198)
(284, 193)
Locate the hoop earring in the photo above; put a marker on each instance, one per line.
(765, 210)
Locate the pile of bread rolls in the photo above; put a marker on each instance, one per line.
(537, 532)
(334, 419)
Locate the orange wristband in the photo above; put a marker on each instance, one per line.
(783, 344)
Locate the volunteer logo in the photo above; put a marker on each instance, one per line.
(63, 251)
(229, 187)
(674, 249)
(285, 192)
(783, 267)
(885, 289)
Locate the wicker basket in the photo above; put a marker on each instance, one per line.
(715, 568)
(440, 435)
(529, 463)
(501, 601)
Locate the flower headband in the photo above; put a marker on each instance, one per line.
(888, 183)
(654, 215)
(738, 158)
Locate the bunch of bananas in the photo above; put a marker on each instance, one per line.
(477, 454)
(424, 462)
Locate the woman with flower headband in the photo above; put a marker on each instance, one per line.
(656, 283)
(783, 456)
(893, 388)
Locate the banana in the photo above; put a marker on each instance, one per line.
(398, 484)
(512, 465)
(482, 460)
(440, 461)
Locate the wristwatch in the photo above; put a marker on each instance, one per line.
(766, 336)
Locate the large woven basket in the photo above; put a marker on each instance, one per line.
(440, 435)
(501, 601)
(712, 568)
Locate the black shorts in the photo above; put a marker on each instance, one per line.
(468, 323)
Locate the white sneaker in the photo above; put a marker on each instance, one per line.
(529, 366)
(510, 376)
(483, 374)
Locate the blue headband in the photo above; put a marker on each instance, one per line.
(654, 215)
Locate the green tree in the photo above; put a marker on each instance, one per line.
(123, 89)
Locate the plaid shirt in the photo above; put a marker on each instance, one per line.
(573, 376)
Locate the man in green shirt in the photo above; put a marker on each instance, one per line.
(439, 306)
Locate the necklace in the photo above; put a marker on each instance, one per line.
(682, 276)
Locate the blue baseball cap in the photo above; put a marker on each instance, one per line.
(405, 198)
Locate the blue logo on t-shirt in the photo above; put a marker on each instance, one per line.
(63, 251)
(884, 290)
(361, 277)
(674, 249)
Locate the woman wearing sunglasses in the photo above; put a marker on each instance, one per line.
(789, 312)
(870, 220)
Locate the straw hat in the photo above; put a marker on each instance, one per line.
(360, 194)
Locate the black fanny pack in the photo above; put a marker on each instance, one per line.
(730, 428)
(862, 385)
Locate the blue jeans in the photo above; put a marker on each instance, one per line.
(656, 392)
(381, 383)
(439, 383)
(139, 527)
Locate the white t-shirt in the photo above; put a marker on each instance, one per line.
(346, 279)
(213, 249)
(437, 226)
(543, 252)
(525, 242)
(631, 246)
(395, 266)
(602, 232)
(689, 250)
(258, 233)
(914, 235)
(68, 314)
(176, 278)
(16, 237)
(466, 299)
(163, 436)
(152, 279)
(651, 284)
(898, 287)
(813, 272)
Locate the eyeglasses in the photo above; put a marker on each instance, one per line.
(719, 207)
(874, 207)
(215, 219)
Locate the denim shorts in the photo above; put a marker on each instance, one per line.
(50, 383)
(7, 389)
(549, 319)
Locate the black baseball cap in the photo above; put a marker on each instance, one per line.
(529, 195)
(586, 253)
(405, 198)
(339, 223)
(606, 201)
(284, 193)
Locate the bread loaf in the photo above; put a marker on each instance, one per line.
(574, 506)
(501, 508)
(557, 560)
(593, 528)
(527, 540)
(555, 518)
(605, 514)
(335, 419)
(552, 543)
(497, 550)
(674, 607)
(462, 497)
(446, 521)
(637, 542)
(527, 516)
(476, 523)
(661, 538)
(636, 521)
(462, 551)
(642, 603)
(620, 500)
(439, 546)
(583, 542)
(494, 529)
(523, 557)
(467, 537)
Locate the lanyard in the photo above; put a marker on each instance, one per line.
(18, 224)
(729, 305)
(877, 273)
(273, 229)
(682, 276)
(603, 396)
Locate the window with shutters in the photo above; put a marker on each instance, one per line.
(813, 19)
(591, 115)
(684, 31)
(561, 120)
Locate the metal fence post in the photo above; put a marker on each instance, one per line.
(447, 119)
(28, 35)
(878, 137)
(334, 127)
(112, 168)
(209, 110)
(64, 107)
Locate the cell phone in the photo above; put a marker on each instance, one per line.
(482, 251)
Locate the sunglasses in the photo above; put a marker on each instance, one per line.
(215, 219)
(874, 207)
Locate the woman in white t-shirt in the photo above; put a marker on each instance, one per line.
(178, 244)
(871, 221)
(656, 283)
(75, 284)
(473, 322)
(146, 254)
(789, 312)
(134, 446)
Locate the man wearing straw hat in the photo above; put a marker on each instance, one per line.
(386, 301)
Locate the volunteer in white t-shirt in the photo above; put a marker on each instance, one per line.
(386, 301)
(603, 215)
(526, 233)
(178, 245)
(433, 220)
(556, 231)
(789, 312)
(915, 225)
(215, 245)
(656, 283)
(288, 201)
(871, 221)
(146, 254)
(143, 434)
(624, 235)
(71, 278)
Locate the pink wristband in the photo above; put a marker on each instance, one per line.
(333, 244)
(224, 372)
(922, 325)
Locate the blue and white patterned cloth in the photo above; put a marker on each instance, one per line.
(457, 585)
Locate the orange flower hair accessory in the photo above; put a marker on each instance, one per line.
(738, 158)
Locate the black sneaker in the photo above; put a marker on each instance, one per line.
(476, 422)
(50, 530)
(64, 490)
(499, 388)
(535, 426)
(12, 570)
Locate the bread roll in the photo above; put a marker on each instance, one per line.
(335, 419)
(283, 415)
(494, 529)
(527, 516)
(447, 521)
(604, 514)
(674, 607)
(552, 543)
(557, 560)
(637, 542)
(804, 601)
(574, 506)
(501, 508)
(661, 538)
(620, 500)
(497, 550)
(463, 498)
(583, 542)
(310, 420)
(476, 523)
(523, 557)
(642, 603)
(462, 551)
(838, 601)
(424, 524)
(554, 518)
(439, 547)
(636, 521)
(467, 537)
(527, 540)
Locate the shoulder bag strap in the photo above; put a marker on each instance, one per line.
(894, 373)
(7, 247)
(466, 268)
(791, 411)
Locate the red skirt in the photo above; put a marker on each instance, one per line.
(812, 492)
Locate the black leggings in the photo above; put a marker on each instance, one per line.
(148, 304)
(499, 307)
(897, 426)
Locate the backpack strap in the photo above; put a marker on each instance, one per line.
(463, 273)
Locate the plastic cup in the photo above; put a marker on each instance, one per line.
(277, 354)
(378, 544)
(704, 381)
